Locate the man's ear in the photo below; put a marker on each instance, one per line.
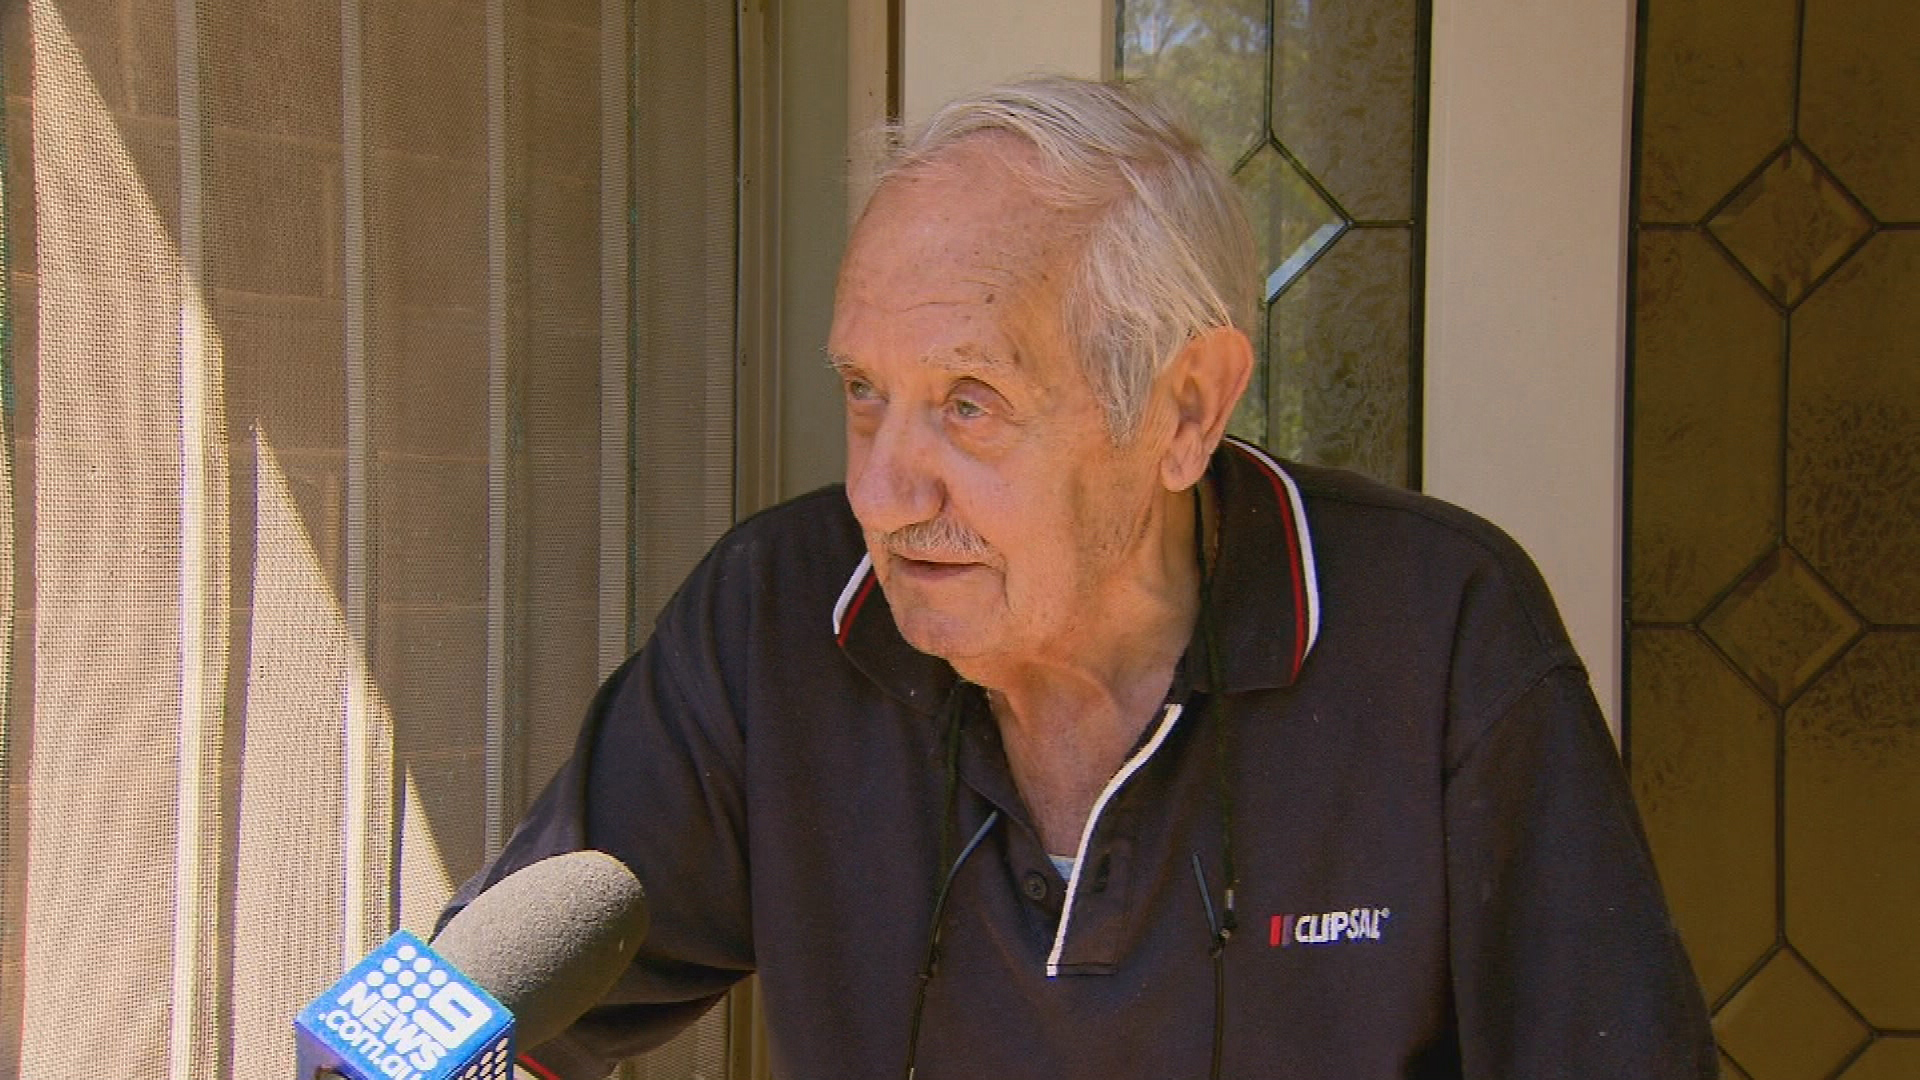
(1203, 383)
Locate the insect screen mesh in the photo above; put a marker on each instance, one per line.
(368, 385)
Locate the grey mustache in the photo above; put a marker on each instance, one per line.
(940, 538)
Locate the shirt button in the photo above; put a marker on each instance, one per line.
(1035, 886)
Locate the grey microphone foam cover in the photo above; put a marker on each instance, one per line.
(550, 939)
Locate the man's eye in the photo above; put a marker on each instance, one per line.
(860, 390)
(967, 409)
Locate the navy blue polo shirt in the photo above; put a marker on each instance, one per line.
(1440, 872)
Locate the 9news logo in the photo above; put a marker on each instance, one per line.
(404, 1014)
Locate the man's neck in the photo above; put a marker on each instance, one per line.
(1070, 715)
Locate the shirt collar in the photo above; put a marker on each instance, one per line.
(1265, 591)
(1265, 594)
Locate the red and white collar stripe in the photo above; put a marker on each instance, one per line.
(1306, 580)
(851, 597)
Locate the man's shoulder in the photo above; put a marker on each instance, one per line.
(823, 515)
(1426, 558)
(789, 562)
(1348, 510)
(1437, 587)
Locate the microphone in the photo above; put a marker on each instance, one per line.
(550, 939)
(516, 966)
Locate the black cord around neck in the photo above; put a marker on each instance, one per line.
(1220, 925)
(955, 716)
(1222, 929)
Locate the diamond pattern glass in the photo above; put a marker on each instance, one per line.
(1292, 223)
(1790, 225)
(1860, 101)
(1775, 512)
(1318, 113)
(1706, 401)
(1853, 474)
(1711, 828)
(1853, 827)
(1337, 347)
(1889, 1058)
(1785, 1024)
(1718, 98)
(1780, 625)
(1356, 62)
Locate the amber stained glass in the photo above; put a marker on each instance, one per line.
(1774, 520)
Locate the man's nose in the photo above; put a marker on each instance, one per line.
(892, 481)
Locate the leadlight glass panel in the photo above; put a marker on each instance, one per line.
(1773, 520)
(1319, 113)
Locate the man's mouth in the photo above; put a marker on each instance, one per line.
(930, 569)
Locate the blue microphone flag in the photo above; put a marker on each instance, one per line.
(403, 1013)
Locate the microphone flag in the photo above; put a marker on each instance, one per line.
(404, 1013)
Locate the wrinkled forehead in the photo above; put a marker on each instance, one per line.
(965, 222)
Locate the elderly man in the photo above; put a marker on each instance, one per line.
(1072, 740)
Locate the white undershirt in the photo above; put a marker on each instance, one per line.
(1064, 864)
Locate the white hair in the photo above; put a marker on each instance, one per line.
(1168, 254)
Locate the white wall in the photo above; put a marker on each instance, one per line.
(1526, 272)
(1526, 257)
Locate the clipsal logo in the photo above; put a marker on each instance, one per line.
(406, 1015)
(1356, 924)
